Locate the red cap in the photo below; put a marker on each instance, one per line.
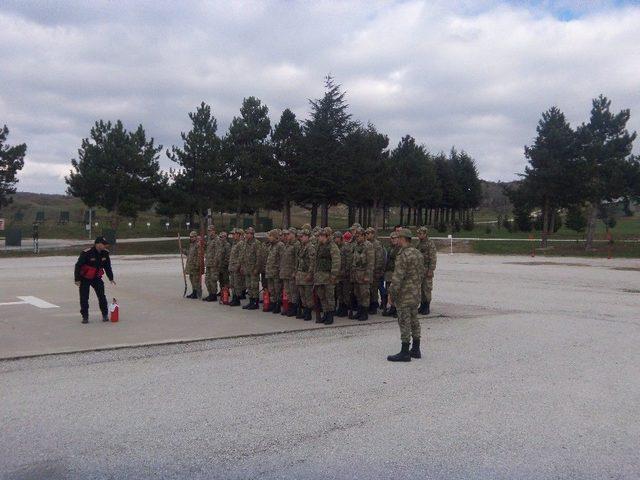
(347, 236)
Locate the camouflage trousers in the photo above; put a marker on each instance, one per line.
(343, 292)
(362, 291)
(327, 296)
(409, 323)
(211, 281)
(373, 291)
(237, 282)
(274, 285)
(289, 287)
(427, 286)
(223, 278)
(306, 295)
(253, 285)
(196, 282)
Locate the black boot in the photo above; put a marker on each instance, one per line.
(415, 349)
(427, 308)
(293, 308)
(328, 318)
(235, 301)
(322, 318)
(276, 308)
(342, 310)
(373, 308)
(272, 307)
(243, 295)
(390, 312)
(193, 294)
(403, 356)
(252, 305)
(354, 313)
(307, 314)
(85, 320)
(421, 309)
(363, 315)
(105, 317)
(300, 312)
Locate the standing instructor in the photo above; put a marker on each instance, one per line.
(91, 265)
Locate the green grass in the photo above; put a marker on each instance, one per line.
(564, 249)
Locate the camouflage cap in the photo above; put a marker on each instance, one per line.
(211, 227)
(305, 226)
(239, 230)
(316, 230)
(193, 233)
(304, 231)
(250, 230)
(359, 231)
(222, 234)
(327, 231)
(337, 234)
(405, 232)
(370, 230)
(278, 231)
(423, 230)
(393, 234)
(285, 231)
(355, 226)
(293, 230)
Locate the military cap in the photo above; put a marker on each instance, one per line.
(278, 231)
(423, 230)
(293, 230)
(337, 233)
(326, 231)
(359, 231)
(222, 234)
(405, 232)
(285, 231)
(193, 233)
(304, 231)
(305, 226)
(355, 226)
(370, 230)
(211, 227)
(250, 230)
(393, 234)
(239, 230)
(316, 230)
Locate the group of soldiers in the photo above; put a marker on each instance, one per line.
(342, 274)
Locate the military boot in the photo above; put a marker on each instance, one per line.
(362, 315)
(373, 308)
(427, 308)
(243, 295)
(105, 317)
(276, 308)
(329, 318)
(415, 349)
(235, 301)
(354, 312)
(403, 356)
(272, 307)
(307, 314)
(193, 294)
(85, 320)
(322, 318)
(390, 312)
(300, 312)
(293, 308)
(253, 304)
(342, 310)
(421, 309)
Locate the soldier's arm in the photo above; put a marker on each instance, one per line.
(398, 276)
(433, 257)
(335, 261)
(370, 253)
(312, 260)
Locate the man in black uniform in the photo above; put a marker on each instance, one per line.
(91, 265)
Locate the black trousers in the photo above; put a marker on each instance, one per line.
(98, 287)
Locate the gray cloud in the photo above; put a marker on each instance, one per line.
(475, 74)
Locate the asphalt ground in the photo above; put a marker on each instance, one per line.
(531, 370)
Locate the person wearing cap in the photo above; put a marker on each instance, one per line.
(225, 249)
(92, 264)
(429, 252)
(213, 261)
(378, 272)
(274, 249)
(305, 265)
(389, 309)
(405, 294)
(236, 279)
(250, 267)
(344, 288)
(326, 273)
(287, 270)
(194, 266)
(362, 264)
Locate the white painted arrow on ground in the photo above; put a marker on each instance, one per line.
(35, 301)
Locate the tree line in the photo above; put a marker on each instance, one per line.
(584, 172)
(324, 160)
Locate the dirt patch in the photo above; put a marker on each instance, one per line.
(627, 269)
(562, 264)
(629, 290)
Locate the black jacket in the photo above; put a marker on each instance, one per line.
(92, 264)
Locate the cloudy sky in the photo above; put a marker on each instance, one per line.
(471, 73)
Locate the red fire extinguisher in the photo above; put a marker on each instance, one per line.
(224, 298)
(266, 300)
(115, 311)
(285, 301)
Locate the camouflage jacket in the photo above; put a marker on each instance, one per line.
(305, 264)
(391, 262)
(272, 265)
(327, 264)
(213, 254)
(346, 257)
(234, 256)
(379, 258)
(194, 260)
(428, 250)
(362, 262)
(288, 261)
(407, 278)
(250, 260)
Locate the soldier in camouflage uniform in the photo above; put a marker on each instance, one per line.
(405, 293)
(390, 310)
(305, 264)
(429, 252)
(378, 271)
(362, 264)
(212, 262)
(326, 274)
(250, 267)
(225, 250)
(287, 269)
(237, 280)
(194, 266)
(272, 270)
(345, 289)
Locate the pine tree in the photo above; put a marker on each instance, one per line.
(11, 162)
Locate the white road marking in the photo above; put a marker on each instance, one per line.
(29, 300)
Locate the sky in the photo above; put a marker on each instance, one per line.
(474, 74)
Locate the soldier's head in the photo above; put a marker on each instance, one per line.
(193, 236)
(370, 233)
(337, 237)
(355, 227)
(393, 238)
(293, 233)
(347, 237)
(305, 235)
(397, 228)
(404, 237)
(423, 232)
(360, 235)
(101, 243)
(238, 233)
(323, 236)
(249, 233)
(222, 235)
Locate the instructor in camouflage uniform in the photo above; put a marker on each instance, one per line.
(194, 266)
(405, 293)
(429, 252)
(326, 274)
(213, 260)
(362, 264)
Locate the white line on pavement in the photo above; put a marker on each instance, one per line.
(29, 300)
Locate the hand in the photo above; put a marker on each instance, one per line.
(113, 282)
(332, 279)
(77, 284)
(429, 274)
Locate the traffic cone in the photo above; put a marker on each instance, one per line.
(115, 311)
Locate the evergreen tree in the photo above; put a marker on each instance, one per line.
(117, 170)
(11, 162)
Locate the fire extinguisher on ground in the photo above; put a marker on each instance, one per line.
(115, 311)
(224, 296)
(285, 301)
(266, 300)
